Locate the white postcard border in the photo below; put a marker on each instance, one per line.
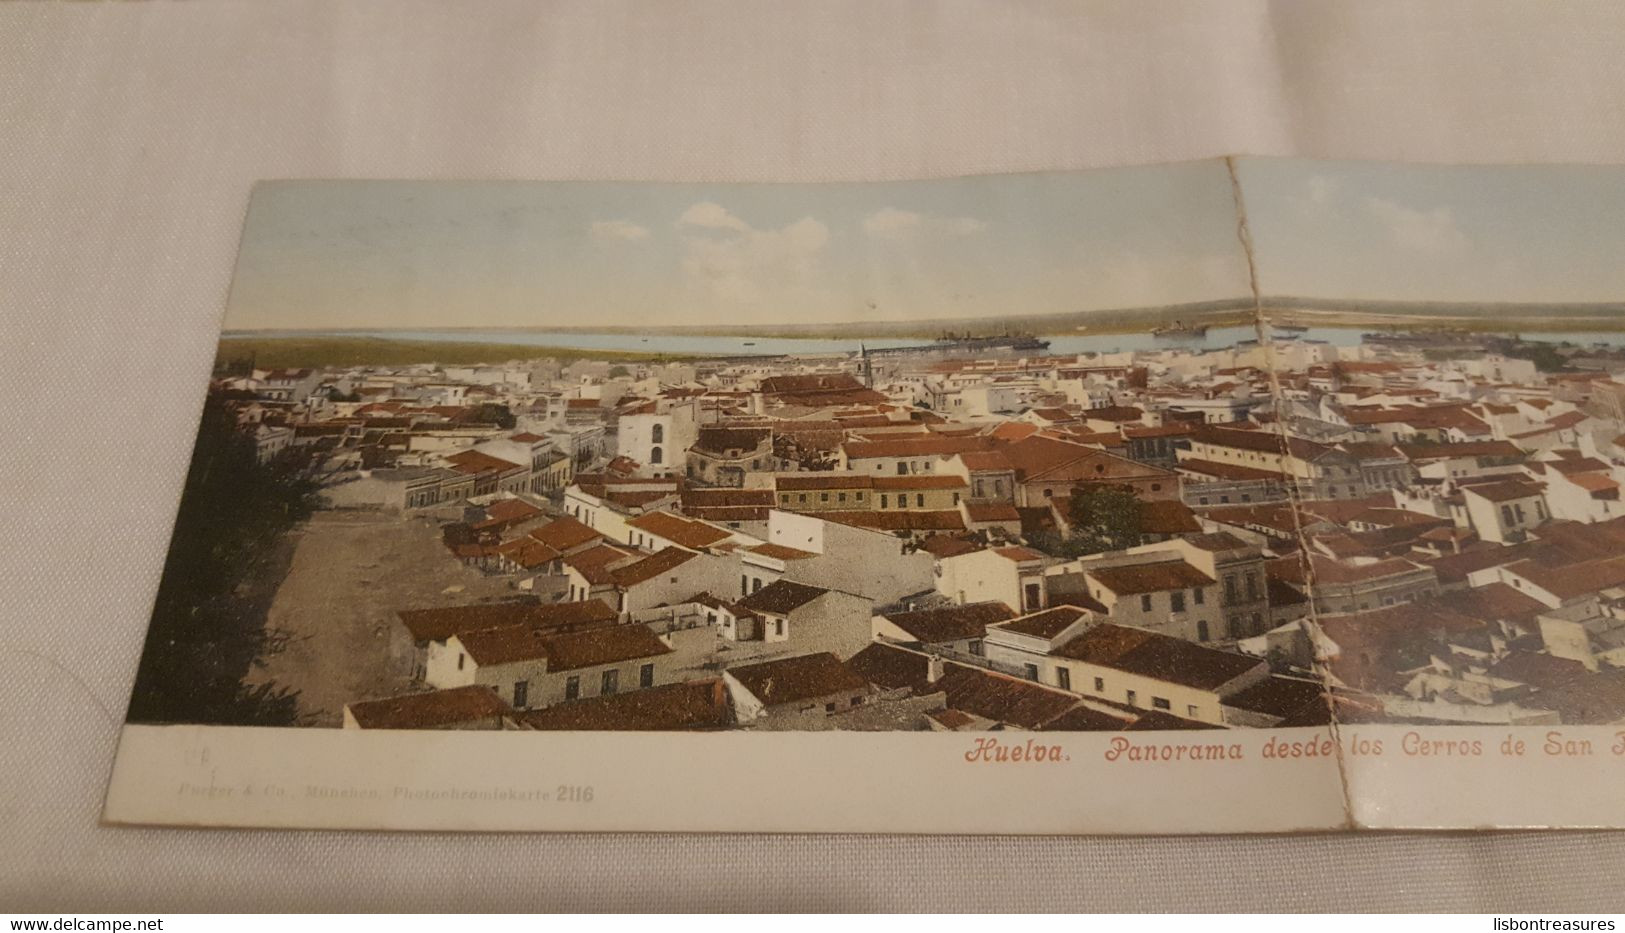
(823, 782)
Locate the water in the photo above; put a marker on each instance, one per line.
(1064, 345)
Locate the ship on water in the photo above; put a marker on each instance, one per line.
(1008, 341)
(949, 342)
(1178, 330)
(1434, 338)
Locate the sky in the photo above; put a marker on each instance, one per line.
(399, 254)
(1436, 233)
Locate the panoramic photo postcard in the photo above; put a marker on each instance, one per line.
(1161, 455)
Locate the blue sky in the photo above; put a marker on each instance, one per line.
(1439, 233)
(364, 254)
(399, 254)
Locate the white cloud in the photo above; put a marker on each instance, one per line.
(618, 230)
(1433, 231)
(736, 263)
(712, 215)
(890, 223)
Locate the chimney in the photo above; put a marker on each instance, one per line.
(933, 668)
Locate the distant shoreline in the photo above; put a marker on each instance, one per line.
(286, 352)
(339, 348)
(1504, 326)
(1505, 318)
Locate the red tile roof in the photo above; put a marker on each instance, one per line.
(566, 651)
(1046, 623)
(678, 530)
(781, 597)
(1149, 654)
(690, 706)
(794, 679)
(661, 562)
(1135, 579)
(438, 709)
(440, 624)
(952, 623)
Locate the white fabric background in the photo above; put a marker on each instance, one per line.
(129, 137)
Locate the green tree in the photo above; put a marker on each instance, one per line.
(1103, 518)
(494, 413)
(619, 372)
(1545, 357)
(208, 627)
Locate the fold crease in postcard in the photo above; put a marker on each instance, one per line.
(1232, 496)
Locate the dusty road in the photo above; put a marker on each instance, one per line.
(351, 571)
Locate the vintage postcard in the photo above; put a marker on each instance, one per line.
(1243, 495)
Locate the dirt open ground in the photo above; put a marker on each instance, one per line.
(351, 572)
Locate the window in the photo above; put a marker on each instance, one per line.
(976, 646)
(1133, 698)
(1177, 600)
(657, 435)
(1201, 630)
(1258, 623)
(1063, 678)
(755, 584)
(1506, 514)
(521, 694)
(1145, 602)
(919, 500)
(611, 683)
(744, 585)
(572, 688)
(1252, 585)
(902, 468)
(1033, 595)
(801, 498)
(885, 500)
(857, 701)
(1100, 685)
(1230, 588)
(829, 707)
(646, 676)
(840, 497)
(778, 626)
(1234, 626)
(860, 497)
(460, 658)
(823, 497)
(1160, 703)
(654, 455)
(1199, 596)
(1032, 671)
